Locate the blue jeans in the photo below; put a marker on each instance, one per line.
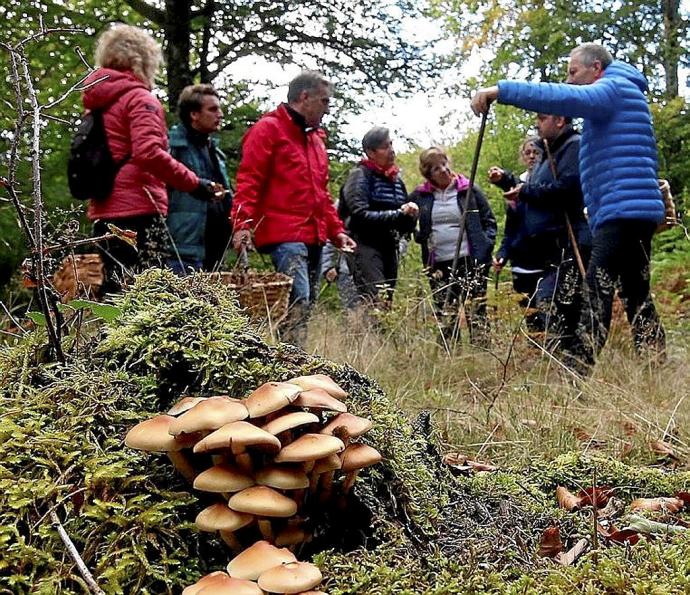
(183, 267)
(302, 262)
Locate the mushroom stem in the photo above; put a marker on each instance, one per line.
(229, 538)
(326, 484)
(314, 481)
(350, 480)
(298, 496)
(244, 461)
(266, 529)
(184, 465)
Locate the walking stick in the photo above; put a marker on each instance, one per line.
(463, 216)
(568, 225)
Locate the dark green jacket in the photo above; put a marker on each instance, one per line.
(187, 215)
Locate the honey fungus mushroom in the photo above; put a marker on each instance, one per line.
(208, 415)
(270, 397)
(293, 577)
(218, 517)
(264, 503)
(219, 583)
(257, 559)
(355, 458)
(320, 381)
(153, 435)
(354, 426)
(223, 478)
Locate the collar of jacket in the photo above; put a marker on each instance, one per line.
(182, 136)
(297, 118)
(560, 141)
(461, 183)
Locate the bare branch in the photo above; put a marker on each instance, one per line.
(153, 14)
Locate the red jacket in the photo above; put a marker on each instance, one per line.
(282, 181)
(135, 126)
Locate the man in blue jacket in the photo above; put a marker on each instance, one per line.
(199, 229)
(618, 170)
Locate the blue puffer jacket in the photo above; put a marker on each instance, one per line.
(187, 215)
(618, 155)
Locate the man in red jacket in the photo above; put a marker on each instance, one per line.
(282, 194)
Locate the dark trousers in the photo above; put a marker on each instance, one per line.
(467, 291)
(621, 252)
(120, 259)
(375, 272)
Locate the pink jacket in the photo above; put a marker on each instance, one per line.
(135, 127)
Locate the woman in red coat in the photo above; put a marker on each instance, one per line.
(128, 59)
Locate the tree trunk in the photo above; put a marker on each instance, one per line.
(178, 35)
(670, 46)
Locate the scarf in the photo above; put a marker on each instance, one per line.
(390, 173)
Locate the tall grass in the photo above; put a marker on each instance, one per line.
(514, 402)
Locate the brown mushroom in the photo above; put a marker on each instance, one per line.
(354, 458)
(282, 477)
(238, 436)
(292, 535)
(265, 503)
(153, 435)
(270, 397)
(209, 414)
(320, 381)
(218, 517)
(308, 448)
(323, 472)
(293, 577)
(209, 579)
(226, 585)
(223, 478)
(289, 421)
(184, 404)
(353, 424)
(257, 559)
(317, 398)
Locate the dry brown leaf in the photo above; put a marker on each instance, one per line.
(550, 544)
(454, 459)
(567, 558)
(568, 500)
(663, 448)
(530, 423)
(685, 497)
(479, 466)
(624, 536)
(657, 504)
(596, 496)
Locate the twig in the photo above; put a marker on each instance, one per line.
(74, 554)
(82, 242)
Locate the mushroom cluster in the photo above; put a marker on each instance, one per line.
(270, 461)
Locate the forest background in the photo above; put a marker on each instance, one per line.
(389, 49)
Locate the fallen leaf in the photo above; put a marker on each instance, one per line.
(596, 496)
(643, 525)
(530, 423)
(629, 428)
(623, 536)
(479, 466)
(657, 504)
(613, 508)
(589, 439)
(550, 544)
(126, 235)
(567, 558)
(685, 497)
(454, 459)
(664, 449)
(568, 500)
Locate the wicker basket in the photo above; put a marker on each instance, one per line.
(79, 275)
(264, 295)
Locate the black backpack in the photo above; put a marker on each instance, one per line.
(91, 169)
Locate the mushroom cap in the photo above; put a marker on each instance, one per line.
(218, 516)
(257, 559)
(240, 434)
(320, 381)
(355, 425)
(209, 414)
(293, 577)
(184, 404)
(223, 478)
(153, 435)
(289, 421)
(226, 585)
(282, 477)
(358, 456)
(309, 447)
(317, 398)
(329, 463)
(292, 535)
(270, 397)
(209, 579)
(263, 501)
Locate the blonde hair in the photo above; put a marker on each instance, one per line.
(429, 158)
(124, 47)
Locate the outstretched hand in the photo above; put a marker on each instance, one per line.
(483, 99)
(344, 243)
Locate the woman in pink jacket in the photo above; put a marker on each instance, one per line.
(128, 59)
